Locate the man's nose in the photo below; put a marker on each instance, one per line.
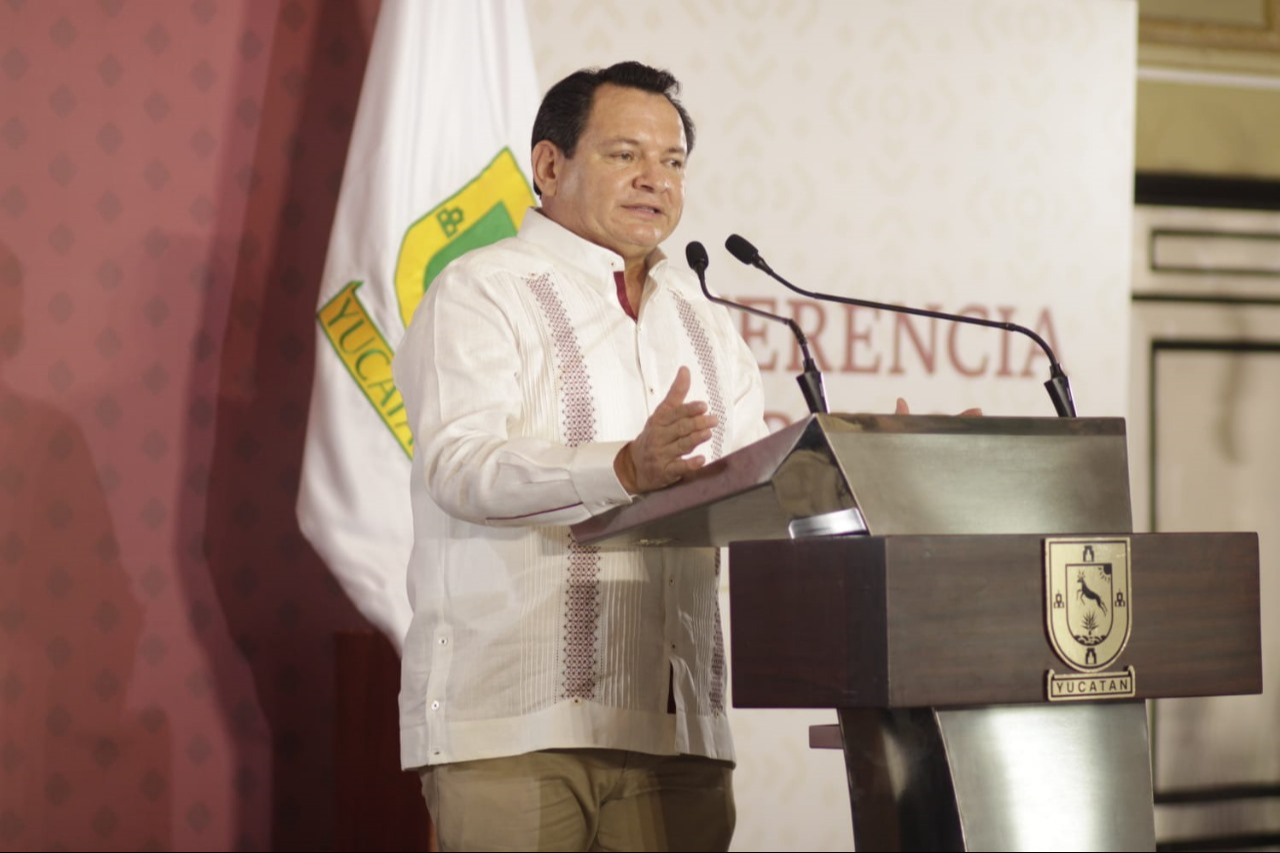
(652, 176)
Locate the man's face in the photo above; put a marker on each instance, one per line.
(623, 189)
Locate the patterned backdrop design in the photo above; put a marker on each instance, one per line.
(976, 154)
(168, 172)
(168, 175)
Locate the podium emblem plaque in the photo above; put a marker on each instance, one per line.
(1088, 615)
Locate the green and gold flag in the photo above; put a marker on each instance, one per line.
(437, 166)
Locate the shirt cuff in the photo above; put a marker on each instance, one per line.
(594, 479)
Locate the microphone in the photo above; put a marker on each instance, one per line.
(1058, 386)
(810, 380)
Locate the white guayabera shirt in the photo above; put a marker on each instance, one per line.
(524, 377)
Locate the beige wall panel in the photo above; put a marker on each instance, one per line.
(1208, 129)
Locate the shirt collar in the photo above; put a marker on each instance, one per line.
(597, 263)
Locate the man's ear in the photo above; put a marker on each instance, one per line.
(546, 158)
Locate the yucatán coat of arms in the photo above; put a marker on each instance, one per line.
(1088, 615)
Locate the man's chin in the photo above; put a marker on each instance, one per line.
(645, 240)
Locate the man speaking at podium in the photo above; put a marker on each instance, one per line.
(554, 695)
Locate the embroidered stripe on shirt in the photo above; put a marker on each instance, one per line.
(707, 364)
(578, 423)
(702, 349)
(715, 690)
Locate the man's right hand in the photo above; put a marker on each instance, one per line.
(656, 457)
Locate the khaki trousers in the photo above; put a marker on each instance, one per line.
(582, 799)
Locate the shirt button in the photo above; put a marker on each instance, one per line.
(435, 706)
(444, 641)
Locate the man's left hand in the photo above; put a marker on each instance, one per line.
(656, 457)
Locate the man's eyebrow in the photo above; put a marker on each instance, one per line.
(626, 140)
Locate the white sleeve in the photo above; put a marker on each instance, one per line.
(459, 369)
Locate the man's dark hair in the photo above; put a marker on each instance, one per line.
(567, 106)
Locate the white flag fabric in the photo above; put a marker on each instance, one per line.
(437, 165)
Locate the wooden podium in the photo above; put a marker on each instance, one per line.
(969, 595)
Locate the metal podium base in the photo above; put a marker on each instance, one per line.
(1010, 777)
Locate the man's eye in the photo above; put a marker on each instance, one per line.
(625, 155)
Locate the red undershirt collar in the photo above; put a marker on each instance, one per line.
(620, 280)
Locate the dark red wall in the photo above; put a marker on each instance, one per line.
(168, 175)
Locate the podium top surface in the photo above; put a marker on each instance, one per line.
(892, 475)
